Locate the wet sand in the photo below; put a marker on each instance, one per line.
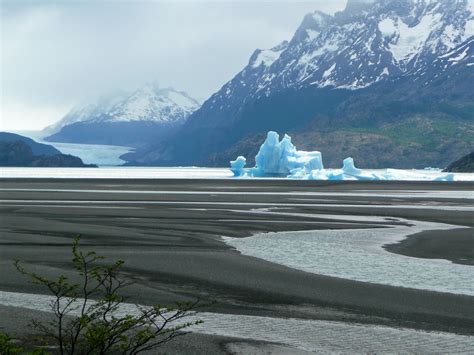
(455, 245)
(171, 242)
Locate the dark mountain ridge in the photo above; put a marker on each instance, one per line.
(20, 151)
(36, 148)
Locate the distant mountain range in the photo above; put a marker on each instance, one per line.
(20, 151)
(130, 119)
(389, 82)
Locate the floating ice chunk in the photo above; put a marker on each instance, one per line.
(447, 177)
(237, 166)
(318, 175)
(349, 168)
(307, 160)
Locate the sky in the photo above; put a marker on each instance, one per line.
(57, 54)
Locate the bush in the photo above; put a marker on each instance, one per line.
(7, 345)
(87, 315)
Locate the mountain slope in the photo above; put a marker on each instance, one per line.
(36, 148)
(125, 119)
(462, 165)
(20, 151)
(377, 68)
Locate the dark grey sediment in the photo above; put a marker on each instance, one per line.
(456, 245)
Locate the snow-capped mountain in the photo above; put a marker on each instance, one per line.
(368, 42)
(149, 103)
(149, 106)
(378, 61)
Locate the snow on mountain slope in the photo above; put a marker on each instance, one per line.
(371, 40)
(87, 111)
(266, 57)
(151, 103)
(147, 104)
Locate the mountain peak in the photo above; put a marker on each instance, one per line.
(149, 103)
(266, 57)
(312, 25)
(370, 41)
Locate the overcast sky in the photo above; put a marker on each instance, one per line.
(55, 54)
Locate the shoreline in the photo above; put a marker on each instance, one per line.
(314, 251)
(455, 245)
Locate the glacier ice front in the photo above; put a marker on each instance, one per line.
(279, 158)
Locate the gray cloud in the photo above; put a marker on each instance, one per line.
(55, 54)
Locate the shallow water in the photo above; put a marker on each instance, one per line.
(312, 335)
(463, 195)
(359, 255)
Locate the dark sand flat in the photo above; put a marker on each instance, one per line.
(172, 247)
(456, 245)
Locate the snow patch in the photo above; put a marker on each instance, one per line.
(326, 48)
(328, 72)
(318, 18)
(469, 28)
(460, 57)
(312, 34)
(387, 27)
(267, 57)
(410, 40)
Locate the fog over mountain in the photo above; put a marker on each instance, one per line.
(56, 54)
(122, 118)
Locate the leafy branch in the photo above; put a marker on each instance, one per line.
(87, 317)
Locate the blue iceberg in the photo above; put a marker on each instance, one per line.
(280, 158)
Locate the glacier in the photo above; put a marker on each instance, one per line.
(280, 158)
